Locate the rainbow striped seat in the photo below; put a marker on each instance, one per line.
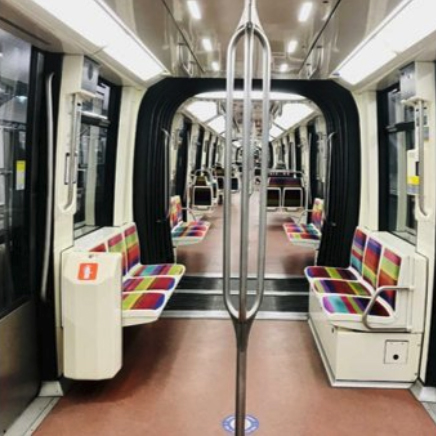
(136, 269)
(307, 234)
(381, 276)
(341, 287)
(185, 233)
(142, 308)
(345, 305)
(135, 284)
(353, 272)
(301, 228)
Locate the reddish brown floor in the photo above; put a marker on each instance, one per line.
(178, 380)
(282, 258)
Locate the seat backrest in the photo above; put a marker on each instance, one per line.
(100, 248)
(201, 181)
(389, 274)
(132, 245)
(176, 211)
(371, 261)
(357, 249)
(318, 213)
(116, 244)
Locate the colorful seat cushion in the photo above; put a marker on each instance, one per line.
(301, 228)
(357, 250)
(193, 225)
(100, 248)
(303, 236)
(330, 272)
(371, 262)
(132, 246)
(165, 269)
(389, 274)
(349, 305)
(317, 213)
(187, 232)
(149, 284)
(340, 287)
(143, 301)
(116, 244)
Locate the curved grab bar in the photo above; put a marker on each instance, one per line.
(49, 204)
(371, 304)
(421, 153)
(328, 170)
(72, 154)
(167, 162)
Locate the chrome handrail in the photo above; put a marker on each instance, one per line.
(167, 174)
(70, 175)
(372, 302)
(49, 204)
(421, 152)
(328, 170)
(242, 318)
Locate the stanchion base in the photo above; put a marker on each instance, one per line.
(251, 424)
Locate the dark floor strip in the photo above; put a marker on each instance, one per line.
(192, 301)
(209, 283)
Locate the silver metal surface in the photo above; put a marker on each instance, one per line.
(72, 153)
(328, 174)
(167, 157)
(421, 151)
(19, 376)
(371, 304)
(242, 318)
(49, 204)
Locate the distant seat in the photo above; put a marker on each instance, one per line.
(185, 233)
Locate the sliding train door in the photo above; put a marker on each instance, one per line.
(19, 372)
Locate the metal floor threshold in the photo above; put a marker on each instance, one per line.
(32, 417)
(223, 314)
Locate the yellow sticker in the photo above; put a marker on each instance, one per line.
(20, 184)
(413, 180)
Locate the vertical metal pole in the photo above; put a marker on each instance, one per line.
(242, 317)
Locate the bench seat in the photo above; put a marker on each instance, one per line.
(185, 233)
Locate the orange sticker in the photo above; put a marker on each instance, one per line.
(88, 271)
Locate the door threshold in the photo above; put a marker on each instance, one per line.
(223, 314)
(32, 417)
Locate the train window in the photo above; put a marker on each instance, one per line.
(397, 208)
(96, 161)
(14, 159)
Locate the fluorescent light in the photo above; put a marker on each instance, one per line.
(283, 68)
(104, 29)
(292, 114)
(215, 66)
(292, 46)
(409, 23)
(194, 9)
(414, 22)
(256, 95)
(218, 124)
(306, 9)
(203, 110)
(369, 59)
(207, 44)
(276, 131)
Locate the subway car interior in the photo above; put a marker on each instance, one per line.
(217, 217)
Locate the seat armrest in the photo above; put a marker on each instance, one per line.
(371, 304)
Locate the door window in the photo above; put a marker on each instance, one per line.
(15, 58)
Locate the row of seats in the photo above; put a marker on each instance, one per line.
(285, 193)
(146, 289)
(368, 319)
(373, 292)
(185, 233)
(307, 234)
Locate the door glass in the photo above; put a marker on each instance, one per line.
(14, 247)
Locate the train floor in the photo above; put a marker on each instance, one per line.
(282, 258)
(178, 379)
